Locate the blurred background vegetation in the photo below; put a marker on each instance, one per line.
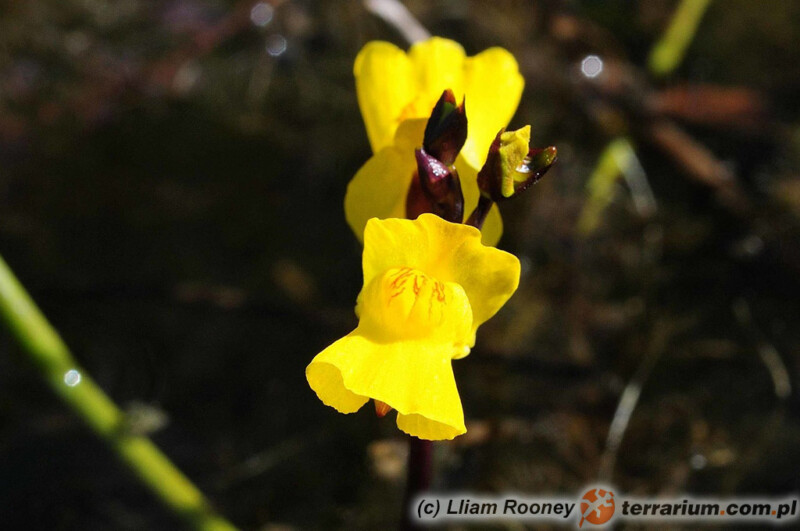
(171, 186)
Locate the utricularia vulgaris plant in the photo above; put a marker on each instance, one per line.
(424, 207)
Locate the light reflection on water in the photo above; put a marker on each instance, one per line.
(591, 66)
(261, 14)
(72, 377)
(276, 45)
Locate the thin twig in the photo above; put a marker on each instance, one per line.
(769, 355)
(642, 193)
(628, 402)
(399, 17)
(661, 336)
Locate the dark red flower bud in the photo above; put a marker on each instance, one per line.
(511, 167)
(446, 130)
(437, 189)
(416, 201)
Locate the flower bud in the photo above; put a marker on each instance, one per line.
(436, 189)
(446, 130)
(511, 166)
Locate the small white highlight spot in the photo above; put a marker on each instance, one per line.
(461, 351)
(591, 66)
(261, 14)
(276, 45)
(72, 377)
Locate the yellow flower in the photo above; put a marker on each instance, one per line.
(428, 285)
(396, 93)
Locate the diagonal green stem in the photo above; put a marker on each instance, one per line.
(668, 52)
(42, 344)
(600, 186)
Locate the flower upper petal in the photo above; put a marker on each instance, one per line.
(385, 85)
(493, 87)
(393, 86)
(380, 187)
(438, 65)
(413, 377)
(447, 251)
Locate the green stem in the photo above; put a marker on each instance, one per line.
(42, 344)
(668, 52)
(600, 186)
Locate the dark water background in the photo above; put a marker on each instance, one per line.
(171, 195)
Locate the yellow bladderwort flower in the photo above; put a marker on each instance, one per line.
(428, 285)
(396, 92)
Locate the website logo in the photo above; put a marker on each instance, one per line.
(597, 507)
